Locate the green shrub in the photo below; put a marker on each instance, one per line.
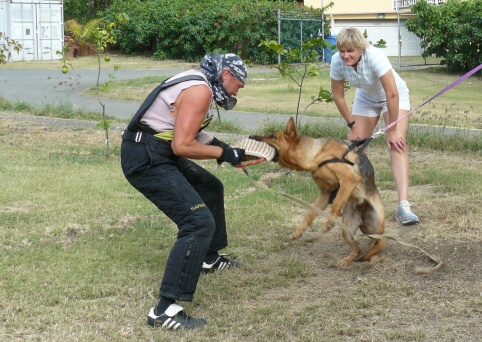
(452, 31)
(187, 30)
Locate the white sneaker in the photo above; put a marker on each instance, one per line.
(404, 215)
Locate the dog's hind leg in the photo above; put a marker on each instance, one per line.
(376, 246)
(354, 253)
(351, 220)
(374, 223)
(320, 203)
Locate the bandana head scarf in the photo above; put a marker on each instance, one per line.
(213, 65)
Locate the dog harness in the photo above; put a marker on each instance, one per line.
(363, 143)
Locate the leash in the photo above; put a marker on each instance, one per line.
(418, 270)
(450, 86)
(263, 152)
(364, 143)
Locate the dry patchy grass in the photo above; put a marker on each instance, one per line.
(91, 63)
(82, 253)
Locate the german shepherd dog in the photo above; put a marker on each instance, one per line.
(335, 169)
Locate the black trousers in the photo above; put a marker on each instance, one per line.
(191, 197)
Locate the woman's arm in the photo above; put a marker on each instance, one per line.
(391, 92)
(338, 92)
(394, 139)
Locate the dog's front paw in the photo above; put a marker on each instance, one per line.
(327, 226)
(343, 263)
(295, 235)
(373, 258)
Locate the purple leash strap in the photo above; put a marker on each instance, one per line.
(460, 79)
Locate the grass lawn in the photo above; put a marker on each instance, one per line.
(83, 253)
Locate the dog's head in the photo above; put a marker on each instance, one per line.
(282, 142)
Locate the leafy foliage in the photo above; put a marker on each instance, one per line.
(187, 30)
(83, 11)
(297, 64)
(96, 35)
(93, 34)
(452, 31)
(379, 44)
(5, 44)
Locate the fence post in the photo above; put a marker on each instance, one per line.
(279, 33)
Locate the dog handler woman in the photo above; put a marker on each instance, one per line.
(379, 90)
(157, 148)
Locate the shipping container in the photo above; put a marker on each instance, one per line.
(37, 25)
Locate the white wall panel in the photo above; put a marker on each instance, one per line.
(38, 26)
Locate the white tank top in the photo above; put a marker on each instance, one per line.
(159, 115)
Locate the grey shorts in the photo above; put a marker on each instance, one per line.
(366, 107)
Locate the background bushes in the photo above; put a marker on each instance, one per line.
(452, 31)
(186, 30)
(169, 29)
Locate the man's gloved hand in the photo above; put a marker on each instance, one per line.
(217, 142)
(231, 155)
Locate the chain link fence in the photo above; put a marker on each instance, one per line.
(294, 29)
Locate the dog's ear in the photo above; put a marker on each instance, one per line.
(291, 128)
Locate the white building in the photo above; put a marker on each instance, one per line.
(382, 19)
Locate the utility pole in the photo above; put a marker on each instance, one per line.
(399, 35)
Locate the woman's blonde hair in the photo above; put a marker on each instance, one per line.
(351, 38)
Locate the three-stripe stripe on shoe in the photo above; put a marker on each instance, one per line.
(165, 320)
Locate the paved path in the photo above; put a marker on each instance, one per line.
(42, 87)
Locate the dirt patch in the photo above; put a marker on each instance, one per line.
(442, 306)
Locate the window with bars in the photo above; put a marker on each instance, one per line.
(408, 3)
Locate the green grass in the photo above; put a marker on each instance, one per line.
(267, 92)
(82, 252)
(63, 110)
(91, 63)
(457, 107)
